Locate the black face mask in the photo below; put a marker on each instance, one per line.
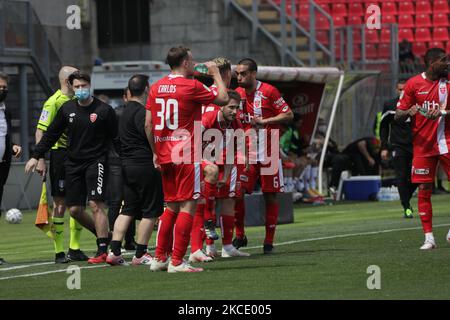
(3, 94)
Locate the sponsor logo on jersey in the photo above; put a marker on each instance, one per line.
(430, 105)
(422, 172)
(93, 117)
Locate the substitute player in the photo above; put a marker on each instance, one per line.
(425, 100)
(58, 155)
(91, 125)
(143, 195)
(263, 108)
(174, 112)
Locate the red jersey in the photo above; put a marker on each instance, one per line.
(210, 120)
(175, 103)
(265, 102)
(430, 137)
(210, 107)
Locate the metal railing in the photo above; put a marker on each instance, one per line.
(23, 40)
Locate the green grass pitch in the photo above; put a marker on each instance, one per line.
(323, 255)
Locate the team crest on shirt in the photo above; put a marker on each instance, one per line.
(93, 117)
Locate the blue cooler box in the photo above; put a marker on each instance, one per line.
(362, 187)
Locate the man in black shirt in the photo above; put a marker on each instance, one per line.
(396, 137)
(143, 195)
(364, 157)
(91, 125)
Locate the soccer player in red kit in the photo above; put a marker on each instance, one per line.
(425, 101)
(173, 113)
(262, 107)
(224, 123)
(203, 227)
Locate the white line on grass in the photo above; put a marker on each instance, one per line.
(48, 272)
(26, 266)
(248, 248)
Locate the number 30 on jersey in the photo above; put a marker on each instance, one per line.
(169, 109)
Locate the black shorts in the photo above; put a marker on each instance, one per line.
(143, 194)
(58, 172)
(85, 181)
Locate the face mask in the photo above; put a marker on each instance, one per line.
(83, 94)
(3, 94)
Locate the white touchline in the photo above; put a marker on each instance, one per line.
(48, 272)
(26, 266)
(248, 248)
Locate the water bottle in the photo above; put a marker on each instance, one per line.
(201, 70)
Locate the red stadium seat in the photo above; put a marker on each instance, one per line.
(423, 20)
(440, 20)
(322, 23)
(405, 21)
(384, 51)
(357, 52)
(423, 34)
(304, 10)
(322, 36)
(325, 7)
(436, 44)
(385, 35)
(372, 36)
(419, 48)
(339, 9)
(388, 8)
(406, 34)
(357, 37)
(406, 7)
(447, 48)
(440, 6)
(355, 20)
(388, 18)
(339, 21)
(371, 51)
(423, 7)
(355, 9)
(304, 21)
(440, 34)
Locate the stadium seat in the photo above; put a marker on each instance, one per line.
(357, 35)
(322, 23)
(440, 34)
(325, 7)
(371, 51)
(423, 34)
(303, 10)
(355, 9)
(436, 44)
(423, 7)
(406, 34)
(440, 20)
(447, 48)
(384, 51)
(339, 9)
(322, 36)
(355, 20)
(423, 20)
(385, 35)
(339, 21)
(406, 7)
(405, 21)
(388, 18)
(388, 8)
(372, 36)
(304, 21)
(357, 52)
(419, 48)
(440, 6)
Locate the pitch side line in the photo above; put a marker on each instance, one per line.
(256, 247)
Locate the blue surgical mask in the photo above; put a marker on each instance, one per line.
(83, 94)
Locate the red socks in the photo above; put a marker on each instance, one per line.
(239, 218)
(164, 235)
(198, 230)
(209, 194)
(182, 232)
(272, 210)
(226, 224)
(425, 209)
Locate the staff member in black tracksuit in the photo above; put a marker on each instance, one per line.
(91, 125)
(143, 194)
(7, 147)
(396, 137)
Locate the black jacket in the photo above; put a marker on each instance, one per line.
(6, 161)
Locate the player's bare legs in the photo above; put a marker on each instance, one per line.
(79, 213)
(102, 228)
(426, 214)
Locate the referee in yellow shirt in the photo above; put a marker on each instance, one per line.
(57, 173)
